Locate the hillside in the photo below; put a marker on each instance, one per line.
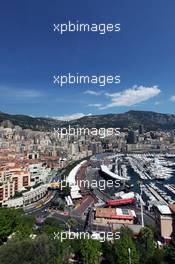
(132, 119)
(29, 122)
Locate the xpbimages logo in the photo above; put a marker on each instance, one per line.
(77, 79)
(101, 236)
(93, 184)
(101, 28)
(85, 131)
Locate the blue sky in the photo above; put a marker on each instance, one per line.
(142, 53)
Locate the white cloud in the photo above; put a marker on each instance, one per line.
(18, 93)
(131, 96)
(158, 103)
(95, 105)
(28, 93)
(70, 117)
(93, 92)
(172, 98)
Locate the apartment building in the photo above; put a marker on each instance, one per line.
(165, 221)
(38, 172)
(114, 216)
(13, 179)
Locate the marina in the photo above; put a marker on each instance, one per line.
(153, 173)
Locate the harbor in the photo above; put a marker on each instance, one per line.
(151, 174)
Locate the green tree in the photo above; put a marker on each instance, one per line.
(8, 221)
(125, 248)
(72, 222)
(41, 250)
(170, 251)
(109, 252)
(158, 257)
(24, 226)
(90, 251)
(24, 251)
(51, 226)
(146, 244)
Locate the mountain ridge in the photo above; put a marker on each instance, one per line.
(132, 119)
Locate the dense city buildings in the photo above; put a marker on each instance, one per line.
(99, 176)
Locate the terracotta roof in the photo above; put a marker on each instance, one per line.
(105, 212)
(114, 213)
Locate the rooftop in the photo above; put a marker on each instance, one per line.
(164, 209)
(114, 213)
